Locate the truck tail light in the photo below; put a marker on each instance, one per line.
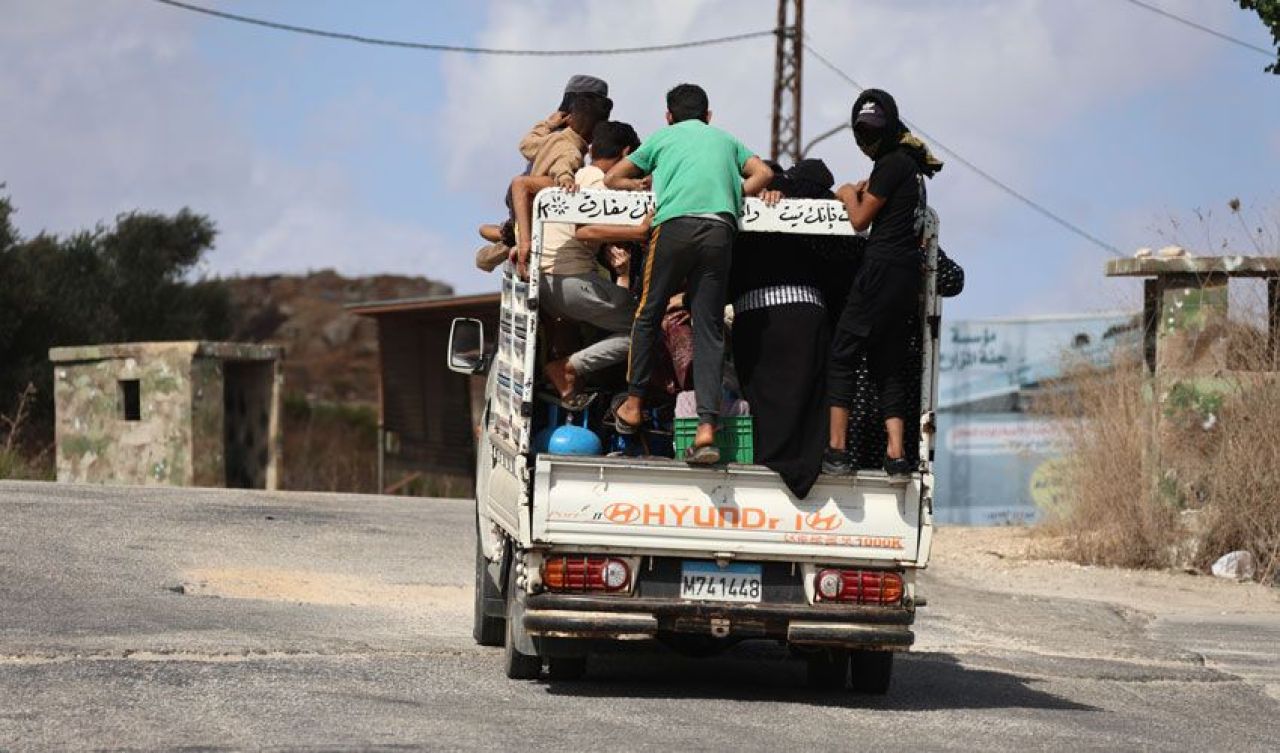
(830, 583)
(580, 573)
(876, 587)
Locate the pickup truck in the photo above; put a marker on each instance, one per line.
(573, 551)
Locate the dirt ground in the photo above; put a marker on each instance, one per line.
(1010, 560)
(333, 589)
(1019, 560)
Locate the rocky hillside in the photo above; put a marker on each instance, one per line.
(330, 354)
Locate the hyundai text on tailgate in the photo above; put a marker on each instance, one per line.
(576, 549)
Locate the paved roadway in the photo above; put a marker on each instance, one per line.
(162, 619)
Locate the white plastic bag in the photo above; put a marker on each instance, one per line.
(1237, 565)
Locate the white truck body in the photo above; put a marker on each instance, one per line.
(535, 507)
(657, 507)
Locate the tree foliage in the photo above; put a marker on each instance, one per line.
(128, 282)
(1269, 12)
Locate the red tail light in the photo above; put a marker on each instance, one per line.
(858, 587)
(578, 573)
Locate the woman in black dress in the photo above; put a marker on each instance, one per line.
(782, 286)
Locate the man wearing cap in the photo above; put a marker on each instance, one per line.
(579, 85)
(553, 147)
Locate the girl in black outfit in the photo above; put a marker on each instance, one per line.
(886, 291)
(781, 285)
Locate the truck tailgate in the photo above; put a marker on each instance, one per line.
(669, 507)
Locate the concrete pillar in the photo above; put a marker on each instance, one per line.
(1185, 343)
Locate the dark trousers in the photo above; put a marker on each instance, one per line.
(876, 321)
(697, 250)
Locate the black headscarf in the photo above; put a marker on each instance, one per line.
(810, 179)
(894, 133)
(806, 179)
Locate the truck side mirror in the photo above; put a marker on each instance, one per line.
(466, 347)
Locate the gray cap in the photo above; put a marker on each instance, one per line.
(581, 84)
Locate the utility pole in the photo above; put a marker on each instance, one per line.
(785, 137)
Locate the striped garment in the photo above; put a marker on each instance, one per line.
(777, 295)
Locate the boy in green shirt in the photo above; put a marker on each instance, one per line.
(698, 183)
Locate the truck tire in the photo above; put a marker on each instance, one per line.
(871, 671)
(828, 669)
(519, 666)
(487, 630)
(567, 667)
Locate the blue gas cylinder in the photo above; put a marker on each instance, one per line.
(574, 440)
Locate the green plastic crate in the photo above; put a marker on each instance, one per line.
(735, 438)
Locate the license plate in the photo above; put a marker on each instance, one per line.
(707, 581)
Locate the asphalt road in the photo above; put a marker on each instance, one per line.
(161, 619)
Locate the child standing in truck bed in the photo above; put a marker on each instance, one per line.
(698, 186)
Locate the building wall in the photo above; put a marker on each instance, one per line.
(94, 441)
(207, 419)
(184, 423)
(426, 407)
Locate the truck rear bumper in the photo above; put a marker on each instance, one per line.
(850, 636)
(619, 618)
(563, 623)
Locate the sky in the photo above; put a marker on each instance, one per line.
(312, 153)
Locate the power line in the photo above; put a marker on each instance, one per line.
(430, 47)
(1201, 27)
(461, 48)
(993, 180)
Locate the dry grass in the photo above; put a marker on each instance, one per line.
(1111, 518)
(1241, 482)
(330, 447)
(17, 460)
(1217, 462)
(333, 447)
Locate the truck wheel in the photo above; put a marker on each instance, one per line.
(567, 667)
(487, 630)
(828, 669)
(871, 671)
(519, 666)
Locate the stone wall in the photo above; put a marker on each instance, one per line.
(185, 422)
(97, 444)
(207, 419)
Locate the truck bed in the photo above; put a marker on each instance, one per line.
(658, 506)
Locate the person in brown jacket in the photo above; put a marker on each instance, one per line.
(554, 147)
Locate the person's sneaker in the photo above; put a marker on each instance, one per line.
(837, 462)
(897, 466)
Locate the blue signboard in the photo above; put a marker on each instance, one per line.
(997, 464)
